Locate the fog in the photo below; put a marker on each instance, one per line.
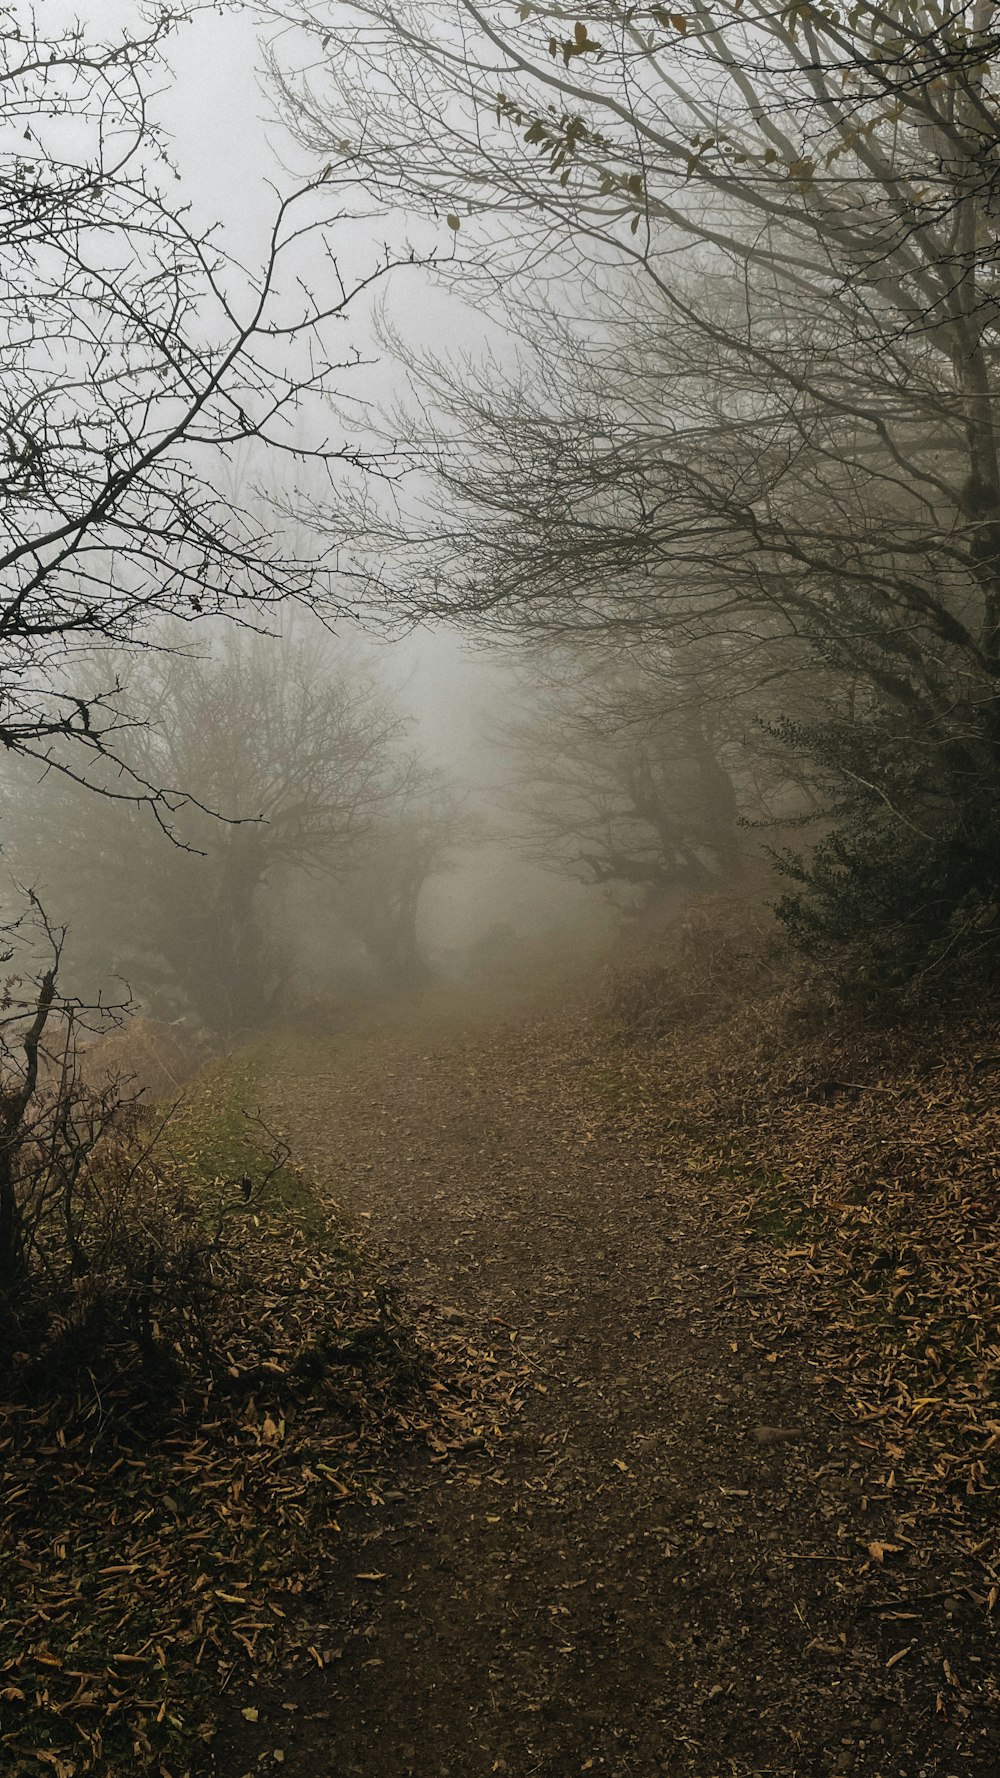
(147, 884)
(499, 888)
(334, 833)
(525, 471)
(530, 796)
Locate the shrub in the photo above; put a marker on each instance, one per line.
(902, 893)
(108, 1254)
(721, 949)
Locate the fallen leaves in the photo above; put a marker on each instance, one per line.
(161, 1535)
(878, 1551)
(192, 1555)
(873, 1155)
(900, 1655)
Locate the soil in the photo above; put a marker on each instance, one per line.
(659, 1564)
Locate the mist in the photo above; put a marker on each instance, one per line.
(499, 890)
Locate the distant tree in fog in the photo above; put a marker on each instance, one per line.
(637, 775)
(294, 761)
(619, 795)
(379, 897)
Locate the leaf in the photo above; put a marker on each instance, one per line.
(802, 170)
(374, 1575)
(251, 1713)
(454, 222)
(878, 1550)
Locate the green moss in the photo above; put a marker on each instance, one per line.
(778, 1215)
(216, 1138)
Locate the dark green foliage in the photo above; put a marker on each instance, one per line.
(902, 893)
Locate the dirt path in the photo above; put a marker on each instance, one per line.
(655, 1571)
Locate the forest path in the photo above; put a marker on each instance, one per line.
(644, 1575)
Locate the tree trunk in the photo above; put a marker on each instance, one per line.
(11, 1229)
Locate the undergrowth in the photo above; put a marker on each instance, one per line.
(176, 1443)
(215, 1133)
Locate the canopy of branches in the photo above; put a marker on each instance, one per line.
(749, 256)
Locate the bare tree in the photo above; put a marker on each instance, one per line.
(766, 409)
(51, 1118)
(137, 362)
(379, 896)
(628, 777)
(822, 323)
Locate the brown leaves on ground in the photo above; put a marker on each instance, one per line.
(798, 1215)
(162, 1535)
(672, 1566)
(874, 1157)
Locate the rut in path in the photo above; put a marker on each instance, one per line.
(648, 1577)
